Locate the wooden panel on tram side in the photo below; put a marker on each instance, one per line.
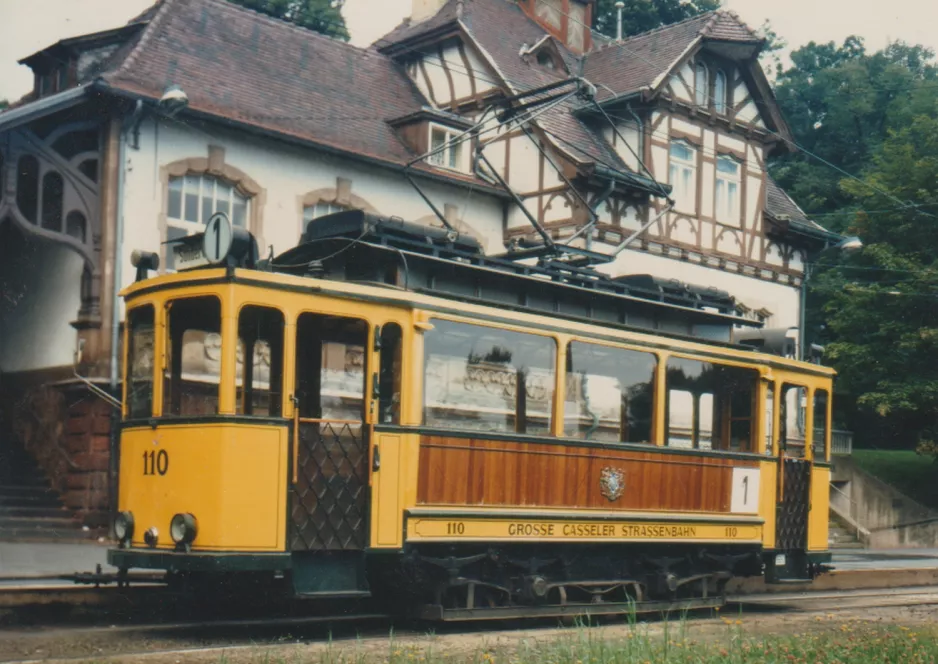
(469, 471)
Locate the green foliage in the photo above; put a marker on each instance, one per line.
(841, 103)
(323, 16)
(828, 641)
(874, 115)
(881, 308)
(643, 15)
(4, 104)
(902, 469)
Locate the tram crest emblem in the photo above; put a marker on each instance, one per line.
(611, 483)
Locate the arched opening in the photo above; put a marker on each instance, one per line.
(27, 187)
(76, 226)
(53, 190)
(89, 168)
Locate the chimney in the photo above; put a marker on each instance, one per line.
(424, 9)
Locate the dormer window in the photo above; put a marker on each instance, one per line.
(444, 152)
(544, 60)
(720, 101)
(701, 85)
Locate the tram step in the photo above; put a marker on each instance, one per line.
(51, 502)
(33, 511)
(26, 491)
(45, 534)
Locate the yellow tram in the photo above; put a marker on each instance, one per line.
(384, 410)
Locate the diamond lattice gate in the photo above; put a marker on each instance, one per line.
(792, 518)
(330, 495)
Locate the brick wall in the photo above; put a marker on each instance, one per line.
(67, 430)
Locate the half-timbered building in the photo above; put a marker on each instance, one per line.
(133, 137)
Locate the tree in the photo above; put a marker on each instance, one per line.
(841, 102)
(875, 116)
(4, 104)
(882, 307)
(323, 16)
(643, 15)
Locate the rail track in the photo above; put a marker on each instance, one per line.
(147, 622)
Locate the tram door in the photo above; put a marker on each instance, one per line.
(329, 495)
(794, 470)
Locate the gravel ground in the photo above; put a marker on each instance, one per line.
(252, 642)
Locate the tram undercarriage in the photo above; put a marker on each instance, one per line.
(447, 583)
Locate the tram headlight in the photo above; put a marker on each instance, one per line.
(124, 526)
(183, 528)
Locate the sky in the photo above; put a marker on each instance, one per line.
(26, 26)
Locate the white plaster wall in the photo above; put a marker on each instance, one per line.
(630, 133)
(38, 306)
(286, 173)
(437, 75)
(781, 300)
(732, 143)
(686, 127)
(748, 112)
(523, 162)
(457, 69)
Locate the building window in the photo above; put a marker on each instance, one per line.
(449, 156)
(727, 193)
(701, 86)
(321, 209)
(683, 173)
(720, 99)
(545, 60)
(193, 199)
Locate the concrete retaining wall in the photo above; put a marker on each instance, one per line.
(893, 520)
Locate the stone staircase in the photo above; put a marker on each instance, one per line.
(29, 508)
(842, 536)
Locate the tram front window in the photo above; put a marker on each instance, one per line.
(258, 372)
(140, 362)
(194, 353)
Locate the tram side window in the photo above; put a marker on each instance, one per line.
(330, 367)
(769, 417)
(259, 381)
(793, 421)
(711, 406)
(389, 379)
(820, 423)
(140, 362)
(473, 374)
(609, 393)
(193, 367)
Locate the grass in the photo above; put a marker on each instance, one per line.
(912, 474)
(848, 643)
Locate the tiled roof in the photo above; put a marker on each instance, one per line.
(253, 69)
(778, 204)
(636, 62)
(408, 29)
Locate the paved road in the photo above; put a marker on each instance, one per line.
(20, 559)
(885, 559)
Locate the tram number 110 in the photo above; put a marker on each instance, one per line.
(155, 463)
